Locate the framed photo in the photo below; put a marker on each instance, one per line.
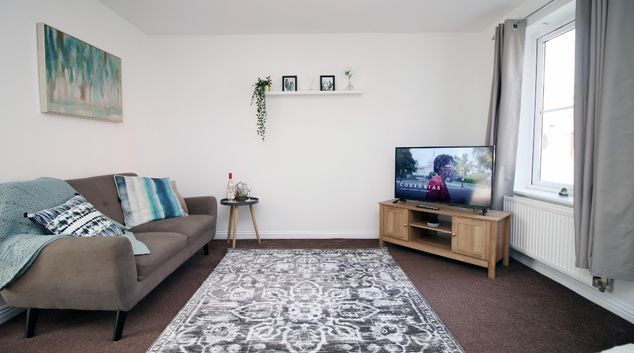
(289, 83)
(76, 78)
(327, 83)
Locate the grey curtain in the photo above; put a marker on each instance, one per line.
(604, 137)
(504, 107)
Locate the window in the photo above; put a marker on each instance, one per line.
(553, 140)
(545, 142)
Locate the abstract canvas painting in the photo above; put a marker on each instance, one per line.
(76, 78)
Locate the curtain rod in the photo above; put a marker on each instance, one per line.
(530, 14)
(538, 9)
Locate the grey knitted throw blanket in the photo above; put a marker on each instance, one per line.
(20, 239)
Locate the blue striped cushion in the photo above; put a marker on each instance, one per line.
(147, 199)
(76, 217)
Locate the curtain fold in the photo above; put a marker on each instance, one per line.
(604, 137)
(504, 106)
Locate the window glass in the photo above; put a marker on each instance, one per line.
(555, 140)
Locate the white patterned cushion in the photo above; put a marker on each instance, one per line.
(76, 217)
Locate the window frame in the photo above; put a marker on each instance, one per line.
(539, 24)
(535, 180)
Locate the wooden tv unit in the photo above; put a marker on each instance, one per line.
(463, 234)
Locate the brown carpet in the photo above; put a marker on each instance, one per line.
(519, 311)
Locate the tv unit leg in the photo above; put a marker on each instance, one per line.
(492, 272)
(380, 242)
(493, 255)
(507, 241)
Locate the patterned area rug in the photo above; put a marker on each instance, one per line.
(306, 301)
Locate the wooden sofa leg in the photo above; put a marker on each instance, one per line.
(206, 249)
(118, 325)
(31, 320)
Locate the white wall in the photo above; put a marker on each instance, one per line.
(33, 144)
(326, 161)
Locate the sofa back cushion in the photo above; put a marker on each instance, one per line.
(102, 193)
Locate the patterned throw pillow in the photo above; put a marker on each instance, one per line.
(147, 199)
(76, 217)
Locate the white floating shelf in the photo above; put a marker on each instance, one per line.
(313, 93)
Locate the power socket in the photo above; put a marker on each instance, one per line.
(603, 284)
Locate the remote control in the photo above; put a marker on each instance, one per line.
(428, 207)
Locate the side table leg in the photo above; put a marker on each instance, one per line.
(230, 224)
(235, 225)
(255, 225)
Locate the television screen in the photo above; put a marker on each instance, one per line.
(456, 175)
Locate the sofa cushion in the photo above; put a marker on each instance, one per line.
(180, 197)
(163, 246)
(76, 217)
(146, 199)
(192, 226)
(102, 193)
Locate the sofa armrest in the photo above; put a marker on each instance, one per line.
(205, 205)
(85, 273)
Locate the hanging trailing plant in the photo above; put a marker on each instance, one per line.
(259, 88)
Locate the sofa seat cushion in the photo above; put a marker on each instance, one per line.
(163, 245)
(192, 226)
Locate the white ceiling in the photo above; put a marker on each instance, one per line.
(310, 16)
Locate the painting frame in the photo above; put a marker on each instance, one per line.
(324, 79)
(289, 79)
(76, 78)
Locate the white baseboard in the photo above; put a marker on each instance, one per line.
(302, 234)
(614, 305)
(8, 312)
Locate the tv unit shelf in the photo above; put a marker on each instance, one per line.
(433, 240)
(463, 234)
(443, 228)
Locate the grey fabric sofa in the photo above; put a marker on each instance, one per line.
(102, 273)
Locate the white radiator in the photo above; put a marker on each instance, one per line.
(546, 233)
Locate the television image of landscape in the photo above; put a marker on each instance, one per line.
(457, 175)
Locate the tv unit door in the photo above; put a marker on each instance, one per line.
(470, 237)
(394, 223)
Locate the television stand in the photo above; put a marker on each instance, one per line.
(477, 238)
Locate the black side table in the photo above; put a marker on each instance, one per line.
(233, 217)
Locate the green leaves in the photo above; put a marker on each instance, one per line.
(258, 96)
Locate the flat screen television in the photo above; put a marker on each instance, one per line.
(458, 175)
